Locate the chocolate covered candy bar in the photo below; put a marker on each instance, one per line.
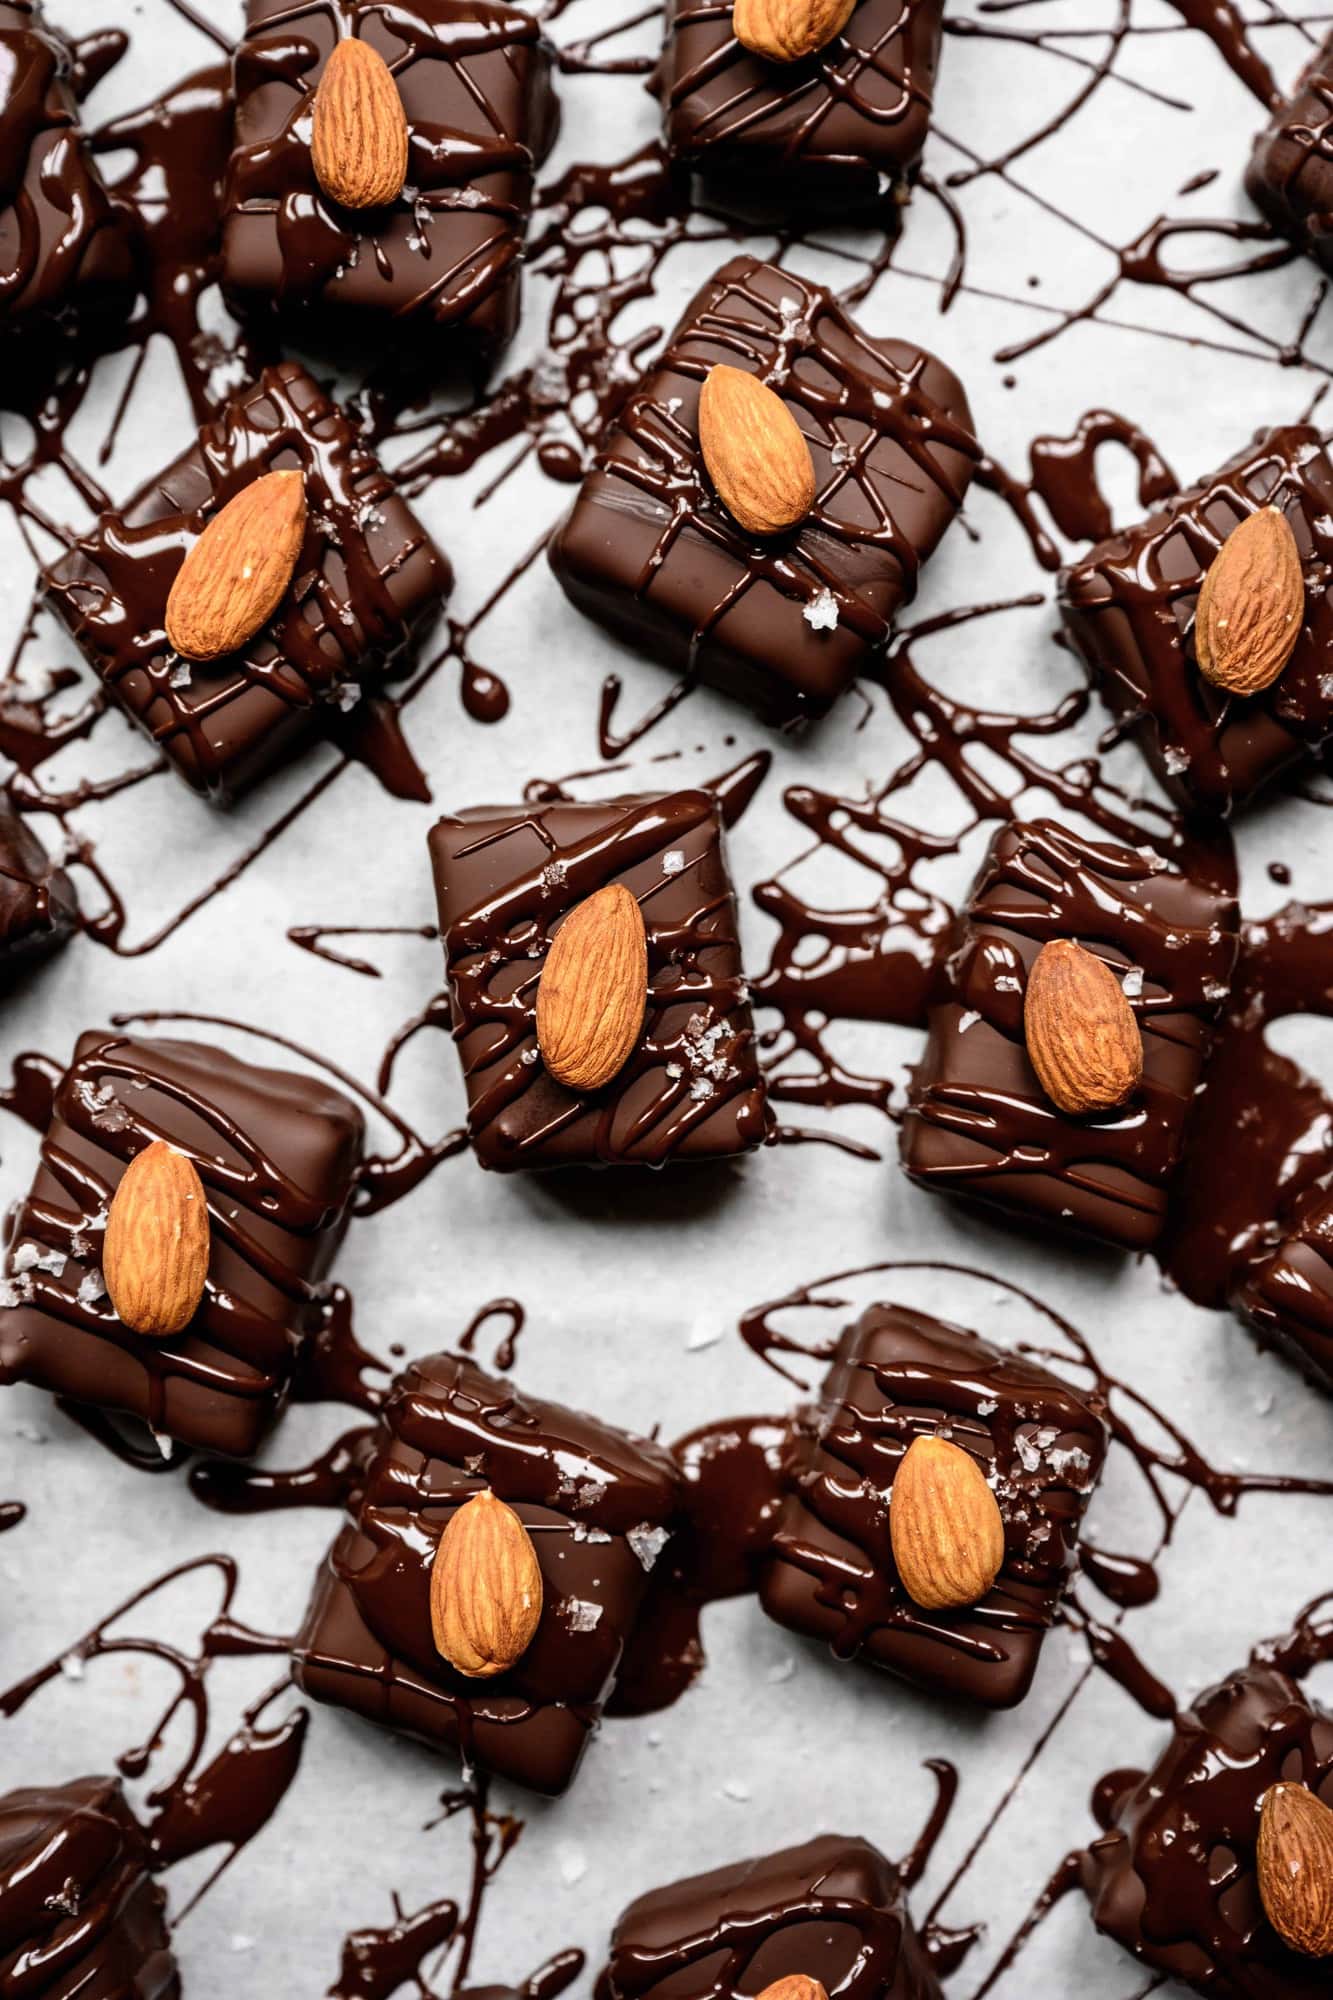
(592, 1505)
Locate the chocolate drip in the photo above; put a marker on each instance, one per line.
(1290, 175)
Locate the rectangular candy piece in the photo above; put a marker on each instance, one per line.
(841, 128)
(38, 907)
(443, 258)
(1288, 1299)
(597, 1506)
(833, 1910)
(1129, 608)
(506, 878)
(365, 578)
(900, 1375)
(978, 1121)
(783, 622)
(63, 240)
(1290, 175)
(1174, 1878)
(277, 1153)
(80, 1914)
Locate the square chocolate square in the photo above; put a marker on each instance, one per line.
(978, 1121)
(80, 1914)
(1129, 605)
(1288, 1298)
(366, 577)
(597, 1505)
(63, 239)
(1290, 175)
(840, 129)
(1174, 1878)
(786, 621)
(900, 1375)
(38, 907)
(443, 258)
(506, 877)
(833, 1910)
(277, 1154)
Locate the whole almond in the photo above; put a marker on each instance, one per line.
(756, 457)
(485, 1589)
(358, 134)
(1251, 606)
(796, 1986)
(155, 1255)
(945, 1526)
(1082, 1038)
(237, 573)
(593, 990)
(1295, 1858)
(786, 30)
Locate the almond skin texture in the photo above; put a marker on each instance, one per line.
(593, 990)
(796, 1986)
(758, 461)
(358, 135)
(155, 1256)
(237, 573)
(1082, 1038)
(485, 1589)
(1296, 1868)
(945, 1526)
(1250, 609)
(786, 30)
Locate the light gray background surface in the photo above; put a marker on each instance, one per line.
(775, 1742)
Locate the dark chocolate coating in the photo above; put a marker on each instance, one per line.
(1174, 1879)
(443, 259)
(1129, 604)
(1289, 1298)
(367, 576)
(1290, 175)
(979, 1123)
(833, 1909)
(504, 877)
(62, 237)
(81, 1918)
(38, 907)
(840, 129)
(650, 552)
(277, 1153)
(899, 1375)
(581, 1489)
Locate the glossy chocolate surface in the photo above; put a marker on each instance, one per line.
(1129, 605)
(504, 878)
(38, 907)
(276, 1152)
(474, 79)
(81, 1918)
(899, 1375)
(597, 1504)
(833, 1909)
(1288, 1300)
(843, 128)
(978, 1121)
(62, 238)
(1174, 1880)
(367, 576)
(1290, 175)
(784, 623)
